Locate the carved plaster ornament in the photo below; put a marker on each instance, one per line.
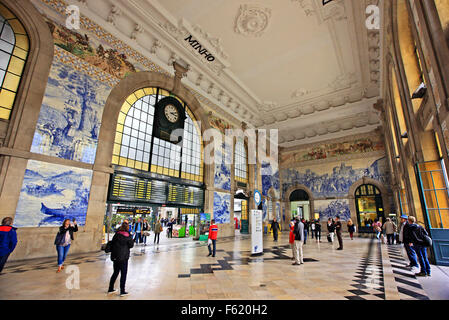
(252, 20)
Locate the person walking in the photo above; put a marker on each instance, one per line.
(338, 230)
(403, 238)
(63, 240)
(389, 228)
(318, 230)
(212, 239)
(275, 228)
(121, 244)
(416, 234)
(351, 228)
(331, 228)
(157, 231)
(8, 240)
(377, 227)
(299, 239)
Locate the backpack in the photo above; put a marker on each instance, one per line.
(108, 247)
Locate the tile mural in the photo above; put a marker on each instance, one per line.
(270, 178)
(332, 208)
(222, 205)
(70, 116)
(50, 193)
(223, 159)
(325, 181)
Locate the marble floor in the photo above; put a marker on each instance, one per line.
(364, 270)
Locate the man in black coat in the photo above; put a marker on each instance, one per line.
(338, 229)
(120, 245)
(275, 228)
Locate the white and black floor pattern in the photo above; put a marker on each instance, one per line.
(369, 279)
(408, 285)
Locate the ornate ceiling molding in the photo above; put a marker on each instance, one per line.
(252, 20)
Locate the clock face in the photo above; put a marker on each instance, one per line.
(257, 197)
(171, 113)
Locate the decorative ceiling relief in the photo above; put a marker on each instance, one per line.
(335, 10)
(252, 20)
(215, 42)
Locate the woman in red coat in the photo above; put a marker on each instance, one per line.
(292, 238)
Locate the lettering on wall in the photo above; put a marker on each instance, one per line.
(198, 47)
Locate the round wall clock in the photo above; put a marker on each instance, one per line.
(171, 113)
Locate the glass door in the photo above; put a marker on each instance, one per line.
(435, 195)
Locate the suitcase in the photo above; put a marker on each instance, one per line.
(329, 239)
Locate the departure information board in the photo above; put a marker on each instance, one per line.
(136, 189)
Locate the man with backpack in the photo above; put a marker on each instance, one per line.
(299, 240)
(418, 238)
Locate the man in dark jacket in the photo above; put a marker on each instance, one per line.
(403, 237)
(121, 243)
(8, 240)
(415, 236)
(338, 230)
(275, 228)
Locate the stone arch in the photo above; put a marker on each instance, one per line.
(25, 112)
(119, 94)
(301, 187)
(383, 191)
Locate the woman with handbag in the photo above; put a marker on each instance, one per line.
(157, 230)
(120, 246)
(63, 241)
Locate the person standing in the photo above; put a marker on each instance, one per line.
(170, 228)
(377, 227)
(121, 243)
(416, 234)
(8, 240)
(299, 238)
(403, 238)
(137, 230)
(351, 228)
(318, 230)
(312, 228)
(389, 228)
(212, 240)
(338, 230)
(306, 229)
(275, 228)
(63, 241)
(331, 229)
(291, 238)
(145, 231)
(157, 231)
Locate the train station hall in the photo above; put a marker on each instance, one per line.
(218, 150)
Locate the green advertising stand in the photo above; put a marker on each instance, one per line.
(204, 226)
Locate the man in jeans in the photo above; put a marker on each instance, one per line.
(213, 234)
(415, 234)
(404, 238)
(299, 240)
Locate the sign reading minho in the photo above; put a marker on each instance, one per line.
(197, 46)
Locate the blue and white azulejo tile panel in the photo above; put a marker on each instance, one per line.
(333, 208)
(70, 116)
(222, 205)
(223, 158)
(51, 193)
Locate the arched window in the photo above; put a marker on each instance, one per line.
(14, 48)
(240, 161)
(369, 206)
(136, 148)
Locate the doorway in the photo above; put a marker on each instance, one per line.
(241, 220)
(369, 206)
(300, 205)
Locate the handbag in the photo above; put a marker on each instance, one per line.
(161, 229)
(108, 247)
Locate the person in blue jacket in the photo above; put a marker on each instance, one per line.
(8, 240)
